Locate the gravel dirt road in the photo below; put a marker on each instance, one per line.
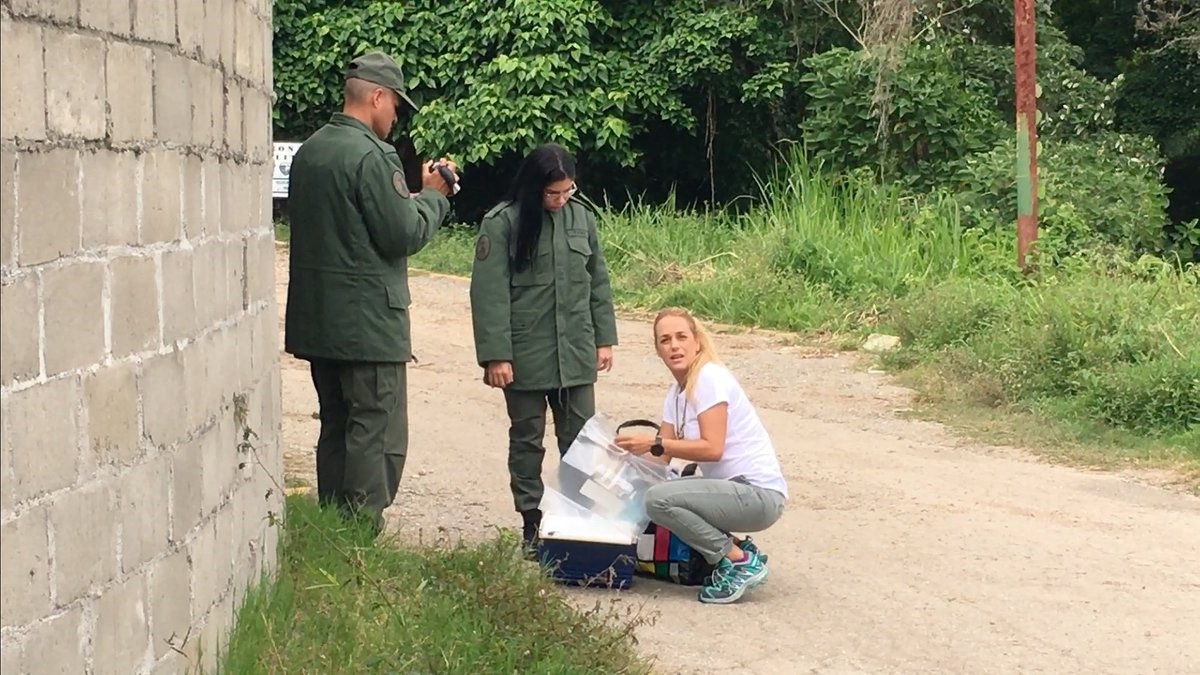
(903, 549)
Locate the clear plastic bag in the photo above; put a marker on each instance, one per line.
(598, 492)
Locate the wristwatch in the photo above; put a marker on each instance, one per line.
(657, 449)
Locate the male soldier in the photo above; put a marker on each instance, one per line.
(354, 224)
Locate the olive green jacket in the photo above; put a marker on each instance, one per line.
(549, 319)
(353, 226)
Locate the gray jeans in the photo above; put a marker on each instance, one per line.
(703, 511)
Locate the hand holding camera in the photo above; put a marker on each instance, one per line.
(441, 175)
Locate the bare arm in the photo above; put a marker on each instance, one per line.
(708, 448)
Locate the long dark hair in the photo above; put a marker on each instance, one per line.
(548, 163)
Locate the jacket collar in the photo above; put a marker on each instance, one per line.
(343, 120)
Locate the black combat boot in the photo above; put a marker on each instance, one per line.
(529, 532)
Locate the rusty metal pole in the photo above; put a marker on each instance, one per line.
(1025, 61)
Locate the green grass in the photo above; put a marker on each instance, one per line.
(340, 604)
(1101, 350)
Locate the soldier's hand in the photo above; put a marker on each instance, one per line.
(604, 359)
(431, 178)
(499, 374)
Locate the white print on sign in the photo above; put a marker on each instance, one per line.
(283, 168)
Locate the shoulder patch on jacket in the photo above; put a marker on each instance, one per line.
(400, 184)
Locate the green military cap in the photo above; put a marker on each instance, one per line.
(381, 69)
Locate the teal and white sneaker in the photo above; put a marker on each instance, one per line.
(731, 580)
(749, 546)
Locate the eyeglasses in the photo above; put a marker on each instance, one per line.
(562, 193)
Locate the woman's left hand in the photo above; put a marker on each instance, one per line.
(637, 445)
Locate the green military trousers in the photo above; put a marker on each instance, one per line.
(364, 435)
(572, 408)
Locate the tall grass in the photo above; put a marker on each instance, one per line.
(1092, 339)
(342, 604)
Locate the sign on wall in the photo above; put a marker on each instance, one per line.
(283, 168)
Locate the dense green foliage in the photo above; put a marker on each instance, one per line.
(342, 604)
(691, 98)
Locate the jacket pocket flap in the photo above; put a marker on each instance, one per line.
(580, 245)
(397, 295)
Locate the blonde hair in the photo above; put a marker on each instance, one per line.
(707, 353)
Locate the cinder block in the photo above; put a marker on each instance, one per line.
(22, 80)
(48, 209)
(7, 500)
(214, 634)
(244, 27)
(235, 136)
(45, 448)
(198, 396)
(216, 94)
(176, 662)
(111, 401)
(109, 16)
(20, 331)
(225, 362)
(8, 207)
(178, 296)
(66, 11)
(187, 479)
(170, 603)
(74, 316)
(231, 217)
(192, 187)
(267, 54)
(172, 97)
(75, 93)
(211, 282)
(202, 104)
(144, 505)
(228, 20)
(211, 178)
(161, 213)
(259, 188)
(259, 271)
(25, 556)
(12, 656)
(244, 334)
(161, 385)
(272, 413)
(191, 26)
(154, 20)
(220, 457)
(213, 31)
(258, 126)
(134, 293)
(212, 562)
(83, 523)
(109, 199)
(122, 640)
(235, 252)
(54, 646)
(130, 78)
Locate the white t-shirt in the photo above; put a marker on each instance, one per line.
(748, 449)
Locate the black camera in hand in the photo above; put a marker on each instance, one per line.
(448, 176)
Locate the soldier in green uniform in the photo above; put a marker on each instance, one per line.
(543, 315)
(354, 223)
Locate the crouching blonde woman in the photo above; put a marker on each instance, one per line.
(708, 419)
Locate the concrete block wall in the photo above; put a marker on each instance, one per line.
(139, 330)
